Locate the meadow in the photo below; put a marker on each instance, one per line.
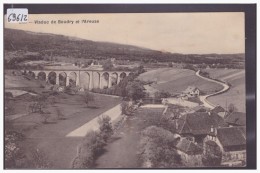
(236, 94)
(177, 80)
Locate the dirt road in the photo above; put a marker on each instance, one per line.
(204, 98)
(93, 125)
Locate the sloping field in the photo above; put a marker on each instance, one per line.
(19, 81)
(50, 138)
(224, 74)
(177, 80)
(236, 93)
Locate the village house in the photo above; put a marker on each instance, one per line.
(230, 141)
(236, 119)
(195, 126)
(191, 91)
(199, 109)
(220, 111)
(190, 152)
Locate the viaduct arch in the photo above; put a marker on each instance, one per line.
(87, 79)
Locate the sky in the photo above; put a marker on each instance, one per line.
(188, 33)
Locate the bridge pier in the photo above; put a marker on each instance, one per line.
(67, 80)
(100, 80)
(90, 81)
(57, 79)
(109, 80)
(118, 79)
(77, 80)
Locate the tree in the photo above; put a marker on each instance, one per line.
(212, 155)
(161, 94)
(60, 115)
(37, 107)
(140, 69)
(105, 127)
(88, 97)
(135, 90)
(126, 108)
(231, 108)
(108, 65)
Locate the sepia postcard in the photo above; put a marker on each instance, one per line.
(125, 90)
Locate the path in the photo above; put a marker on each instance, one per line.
(232, 75)
(93, 125)
(15, 116)
(203, 99)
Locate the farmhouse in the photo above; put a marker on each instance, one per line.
(200, 109)
(236, 119)
(220, 111)
(195, 126)
(190, 152)
(191, 91)
(230, 142)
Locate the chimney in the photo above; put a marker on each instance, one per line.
(211, 129)
(176, 124)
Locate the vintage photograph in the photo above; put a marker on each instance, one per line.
(125, 90)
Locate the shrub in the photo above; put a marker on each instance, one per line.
(60, 115)
(12, 149)
(232, 108)
(85, 158)
(105, 127)
(39, 159)
(45, 116)
(93, 144)
(125, 108)
(162, 94)
(88, 97)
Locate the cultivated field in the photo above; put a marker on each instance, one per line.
(177, 80)
(236, 93)
(12, 81)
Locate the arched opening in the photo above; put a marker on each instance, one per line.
(72, 79)
(52, 78)
(122, 76)
(42, 76)
(96, 80)
(31, 74)
(113, 79)
(104, 80)
(131, 74)
(84, 80)
(62, 79)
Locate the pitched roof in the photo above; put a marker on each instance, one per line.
(236, 118)
(190, 89)
(26, 96)
(200, 109)
(198, 123)
(232, 137)
(218, 109)
(188, 147)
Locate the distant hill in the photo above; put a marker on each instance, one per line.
(59, 45)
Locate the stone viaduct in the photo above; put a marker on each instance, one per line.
(87, 79)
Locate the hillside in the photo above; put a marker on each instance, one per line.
(177, 80)
(64, 46)
(237, 92)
